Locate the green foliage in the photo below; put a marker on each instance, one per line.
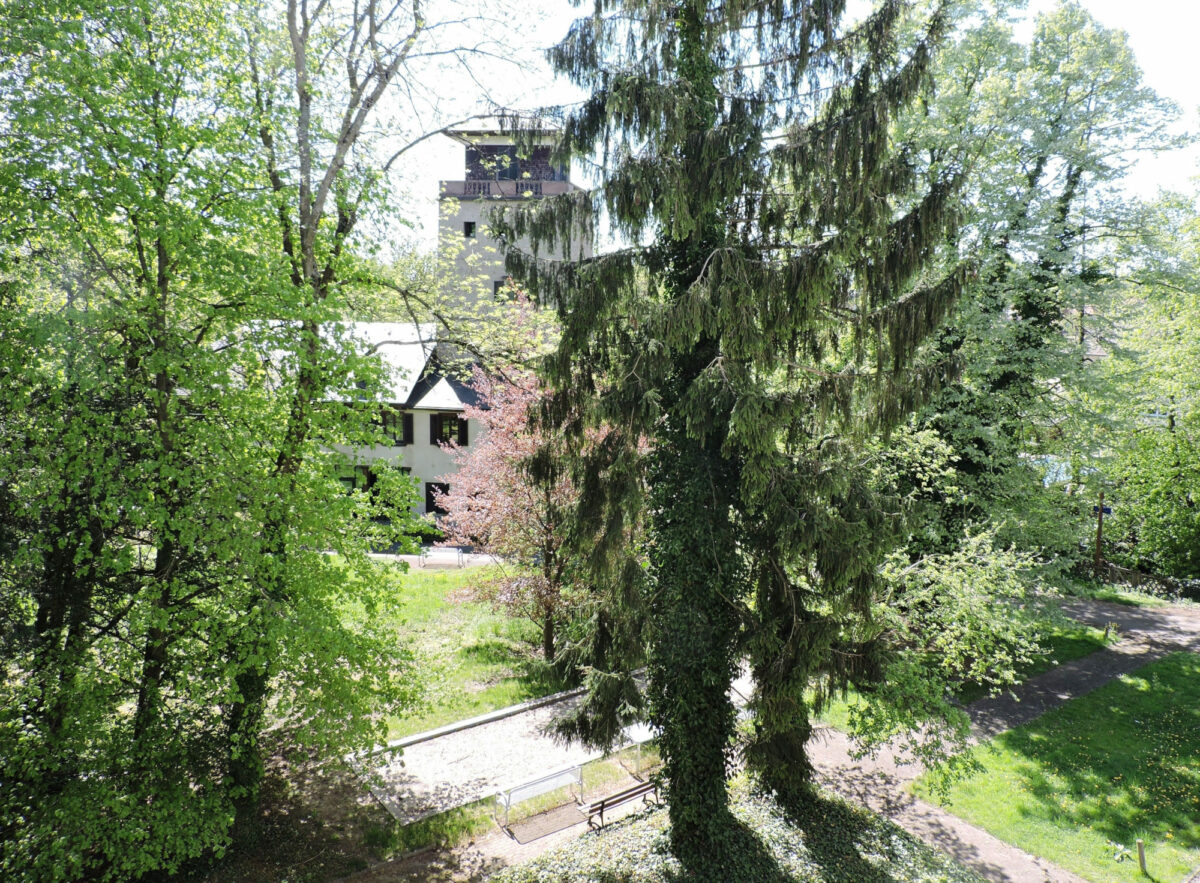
(960, 619)
(169, 490)
(1046, 152)
(1102, 770)
(1155, 390)
(1058, 642)
(1156, 522)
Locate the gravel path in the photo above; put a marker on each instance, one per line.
(458, 768)
(435, 775)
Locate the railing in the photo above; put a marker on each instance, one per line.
(561, 779)
(527, 189)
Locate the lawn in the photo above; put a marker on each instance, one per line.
(1080, 784)
(474, 660)
(824, 841)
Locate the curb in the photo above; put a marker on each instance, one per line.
(470, 722)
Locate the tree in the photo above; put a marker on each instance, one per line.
(1048, 129)
(320, 83)
(495, 504)
(1154, 392)
(173, 273)
(774, 318)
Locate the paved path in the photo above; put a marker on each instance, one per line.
(441, 557)
(474, 762)
(463, 764)
(435, 775)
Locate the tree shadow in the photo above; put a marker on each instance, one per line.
(312, 825)
(834, 833)
(742, 856)
(497, 651)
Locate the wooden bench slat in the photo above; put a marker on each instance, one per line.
(597, 807)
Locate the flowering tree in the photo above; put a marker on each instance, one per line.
(496, 504)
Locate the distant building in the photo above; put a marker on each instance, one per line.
(495, 174)
(420, 409)
(423, 405)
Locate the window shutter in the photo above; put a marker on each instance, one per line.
(462, 432)
(406, 428)
(435, 428)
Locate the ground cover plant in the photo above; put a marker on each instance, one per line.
(1080, 784)
(825, 840)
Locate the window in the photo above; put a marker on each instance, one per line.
(357, 478)
(431, 489)
(446, 428)
(468, 229)
(397, 426)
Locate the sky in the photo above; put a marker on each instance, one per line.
(1162, 34)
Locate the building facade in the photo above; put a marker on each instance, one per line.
(423, 406)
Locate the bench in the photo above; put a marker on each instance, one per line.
(598, 807)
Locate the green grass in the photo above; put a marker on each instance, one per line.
(1080, 784)
(1064, 641)
(825, 840)
(1126, 595)
(474, 659)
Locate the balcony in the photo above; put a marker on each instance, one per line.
(525, 189)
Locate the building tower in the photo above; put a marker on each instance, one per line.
(496, 173)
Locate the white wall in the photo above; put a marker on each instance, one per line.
(428, 462)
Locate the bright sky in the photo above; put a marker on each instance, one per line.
(1162, 33)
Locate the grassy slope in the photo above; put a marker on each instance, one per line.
(476, 660)
(829, 841)
(1087, 779)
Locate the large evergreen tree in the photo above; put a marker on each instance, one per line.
(768, 314)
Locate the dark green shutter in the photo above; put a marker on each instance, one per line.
(462, 432)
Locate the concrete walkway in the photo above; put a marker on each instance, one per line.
(440, 557)
(475, 761)
(472, 760)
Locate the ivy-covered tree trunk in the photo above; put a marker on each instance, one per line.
(695, 565)
(695, 580)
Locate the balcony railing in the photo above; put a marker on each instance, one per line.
(504, 189)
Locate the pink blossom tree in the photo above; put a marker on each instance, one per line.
(496, 505)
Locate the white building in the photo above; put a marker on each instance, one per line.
(420, 409)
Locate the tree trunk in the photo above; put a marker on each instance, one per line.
(692, 662)
(548, 637)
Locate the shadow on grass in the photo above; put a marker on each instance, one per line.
(1121, 761)
(536, 677)
(310, 829)
(494, 652)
